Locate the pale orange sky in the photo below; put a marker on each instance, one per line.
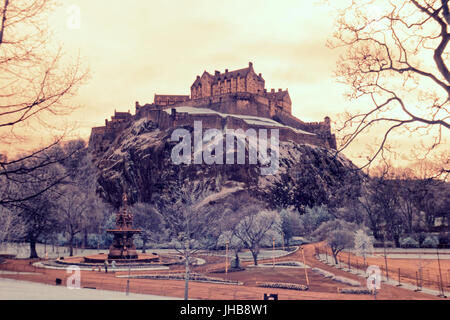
(147, 47)
(137, 48)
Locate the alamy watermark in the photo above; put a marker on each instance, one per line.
(373, 274)
(208, 147)
(73, 21)
(74, 280)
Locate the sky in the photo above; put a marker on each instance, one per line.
(147, 47)
(135, 49)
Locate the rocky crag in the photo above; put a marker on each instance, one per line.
(137, 160)
(133, 152)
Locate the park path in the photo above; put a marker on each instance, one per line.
(197, 290)
(387, 291)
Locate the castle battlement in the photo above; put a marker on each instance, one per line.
(234, 93)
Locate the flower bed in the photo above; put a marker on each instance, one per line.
(289, 264)
(229, 270)
(180, 276)
(332, 276)
(348, 281)
(277, 285)
(359, 290)
(323, 273)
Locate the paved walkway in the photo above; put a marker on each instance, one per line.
(24, 290)
(197, 290)
(390, 281)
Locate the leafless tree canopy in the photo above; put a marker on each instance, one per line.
(396, 59)
(35, 81)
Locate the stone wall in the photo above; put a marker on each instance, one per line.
(166, 121)
(166, 100)
(101, 137)
(253, 84)
(240, 103)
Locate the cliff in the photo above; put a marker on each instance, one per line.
(138, 161)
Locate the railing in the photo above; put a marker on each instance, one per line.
(421, 277)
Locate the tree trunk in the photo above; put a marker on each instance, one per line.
(85, 239)
(335, 258)
(335, 254)
(255, 257)
(397, 241)
(33, 252)
(144, 242)
(71, 246)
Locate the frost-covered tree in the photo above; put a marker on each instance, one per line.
(290, 225)
(313, 218)
(258, 229)
(234, 243)
(187, 217)
(363, 243)
(72, 211)
(338, 234)
(149, 220)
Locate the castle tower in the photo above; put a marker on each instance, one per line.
(241, 80)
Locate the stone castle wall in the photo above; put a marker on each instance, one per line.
(258, 106)
(233, 104)
(175, 119)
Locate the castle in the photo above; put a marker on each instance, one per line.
(232, 99)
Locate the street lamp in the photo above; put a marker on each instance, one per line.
(305, 267)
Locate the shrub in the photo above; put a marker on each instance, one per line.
(323, 273)
(421, 237)
(409, 242)
(444, 238)
(380, 244)
(430, 242)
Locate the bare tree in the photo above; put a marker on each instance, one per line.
(38, 212)
(396, 61)
(149, 220)
(290, 225)
(229, 238)
(188, 219)
(72, 211)
(313, 218)
(11, 226)
(258, 228)
(35, 83)
(386, 200)
(431, 198)
(363, 243)
(338, 234)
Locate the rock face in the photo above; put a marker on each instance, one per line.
(138, 161)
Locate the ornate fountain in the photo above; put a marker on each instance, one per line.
(123, 246)
(122, 249)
